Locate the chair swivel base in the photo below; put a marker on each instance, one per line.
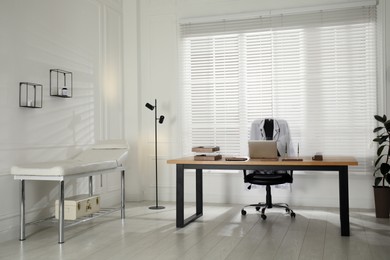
(264, 206)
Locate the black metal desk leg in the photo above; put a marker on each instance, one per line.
(344, 201)
(22, 235)
(180, 221)
(179, 195)
(199, 192)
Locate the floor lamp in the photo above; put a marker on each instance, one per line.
(160, 120)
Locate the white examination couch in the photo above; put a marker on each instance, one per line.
(103, 157)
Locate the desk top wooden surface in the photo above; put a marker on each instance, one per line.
(327, 161)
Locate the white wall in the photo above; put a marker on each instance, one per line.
(81, 36)
(159, 77)
(133, 105)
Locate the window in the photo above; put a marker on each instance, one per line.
(316, 70)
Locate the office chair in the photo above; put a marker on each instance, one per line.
(268, 129)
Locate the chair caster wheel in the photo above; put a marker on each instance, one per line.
(257, 208)
(287, 211)
(264, 217)
(292, 214)
(243, 212)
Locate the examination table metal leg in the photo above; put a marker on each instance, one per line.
(123, 194)
(22, 235)
(61, 214)
(90, 185)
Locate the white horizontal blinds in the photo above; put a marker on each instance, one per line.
(341, 85)
(316, 70)
(212, 88)
(275, 74)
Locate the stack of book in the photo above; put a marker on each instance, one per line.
(206, 153)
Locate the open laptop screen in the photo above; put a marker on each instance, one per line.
(263, 150)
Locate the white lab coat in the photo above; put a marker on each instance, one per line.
(281, 134)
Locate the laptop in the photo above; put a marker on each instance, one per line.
(263, 150)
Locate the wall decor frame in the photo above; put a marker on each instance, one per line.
(61, 83)
(30, 95)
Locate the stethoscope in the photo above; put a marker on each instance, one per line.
(277, 130)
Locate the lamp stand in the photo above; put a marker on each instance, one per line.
(155, 155)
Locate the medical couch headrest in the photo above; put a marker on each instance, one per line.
(111, 144)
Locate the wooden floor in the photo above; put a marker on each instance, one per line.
(222, 233)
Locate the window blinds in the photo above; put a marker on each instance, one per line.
(316, 70)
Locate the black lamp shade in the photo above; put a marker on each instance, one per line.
(151, 107)
(161, 119)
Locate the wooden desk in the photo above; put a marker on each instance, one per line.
(339, 164)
